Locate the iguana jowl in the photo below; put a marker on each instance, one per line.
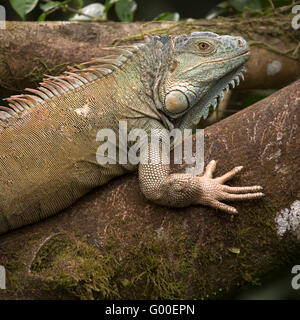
(48, 137)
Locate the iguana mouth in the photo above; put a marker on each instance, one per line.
(246, 53)
(212, 98)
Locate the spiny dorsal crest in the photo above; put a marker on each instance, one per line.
(77, 76)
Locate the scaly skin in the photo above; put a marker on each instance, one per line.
(48, 139)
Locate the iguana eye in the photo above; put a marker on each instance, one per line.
(203, 45)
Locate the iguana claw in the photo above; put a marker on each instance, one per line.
(214, 189)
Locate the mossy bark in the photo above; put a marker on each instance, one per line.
(114, 243)
(28, 50)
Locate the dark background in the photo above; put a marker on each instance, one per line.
(146, 9)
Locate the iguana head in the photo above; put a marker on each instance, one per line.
(197, 68)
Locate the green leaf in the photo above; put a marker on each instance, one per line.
(245, 5)
(95, 10)
(168, 16)
(22, 7)
(42, 17)
(215, 12)
(125, 9)
(223, 5)
(218, 10)
(49, 5)
(79, 3)
(108, 4)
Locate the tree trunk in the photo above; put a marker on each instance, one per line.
(114, 243)
(28, 50)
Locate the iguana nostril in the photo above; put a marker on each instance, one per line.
(240, 43)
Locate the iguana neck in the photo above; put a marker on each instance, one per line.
(153, 60)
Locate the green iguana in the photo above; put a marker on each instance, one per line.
(48, 137)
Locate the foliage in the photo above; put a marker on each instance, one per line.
(171, 16)
(250, 7)
(96, 11)
(22, 7)
(90, 12)
(125, 9)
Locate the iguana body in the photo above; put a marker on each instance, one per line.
(48, 138)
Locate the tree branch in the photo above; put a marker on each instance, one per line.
(28, 50)
(115, 244)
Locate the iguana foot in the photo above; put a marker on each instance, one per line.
(214, 190)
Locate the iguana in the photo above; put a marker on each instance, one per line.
(48, 137)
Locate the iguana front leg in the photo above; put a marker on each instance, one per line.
(182, 190)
